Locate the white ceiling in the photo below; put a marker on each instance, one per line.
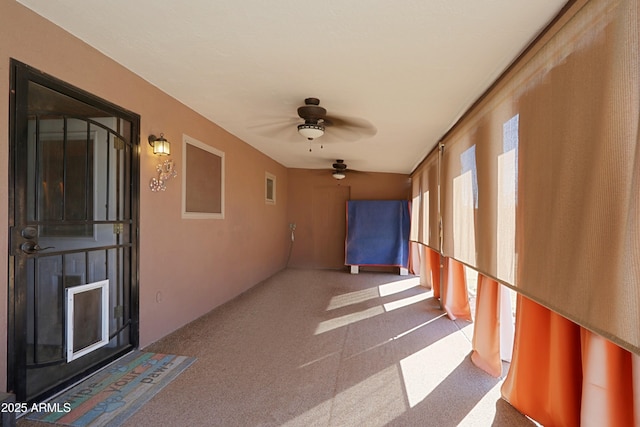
(409, 67)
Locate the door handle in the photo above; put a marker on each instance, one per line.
(33, 247)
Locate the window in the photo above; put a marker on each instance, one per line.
(203, 184)
(270, 189)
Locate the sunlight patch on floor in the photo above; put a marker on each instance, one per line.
(399, 286)
(350, 298)
(484, 408)
(366, 403)
(415, 328)
(397, 337)
(319, 359)
(363, 295)
(421, 376)
(347, 319)
(375, 401)
(317, 416)
(394, 305)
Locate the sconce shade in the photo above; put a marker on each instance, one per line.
(160, 145)
(310, 130)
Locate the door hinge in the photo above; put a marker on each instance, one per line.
(118, 143)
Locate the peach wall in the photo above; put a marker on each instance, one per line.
(187, 267)
(362, 186)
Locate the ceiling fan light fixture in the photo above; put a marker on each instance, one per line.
(339, 175)
(311, 130)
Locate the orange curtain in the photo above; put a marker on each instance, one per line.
(607, 391)
(544, 380)
(454, 297)
(564, 375)
(433, 258)
(430, 270)
(486, 333)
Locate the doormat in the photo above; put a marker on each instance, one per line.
(112, 395)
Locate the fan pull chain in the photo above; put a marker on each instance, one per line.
(310, 150)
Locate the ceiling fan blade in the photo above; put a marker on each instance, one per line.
(335, 128)
(354, 171)
(341, 134)
(361, 126)
(276, 129)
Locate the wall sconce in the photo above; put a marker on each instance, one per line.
(160, 145)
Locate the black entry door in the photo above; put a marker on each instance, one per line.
(73, 303)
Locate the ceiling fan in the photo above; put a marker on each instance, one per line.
(339, 169)
(316, 122)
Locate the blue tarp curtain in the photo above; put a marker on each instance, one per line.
(378, 232)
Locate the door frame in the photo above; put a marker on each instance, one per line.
(20, 74)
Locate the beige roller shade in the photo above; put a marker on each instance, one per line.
(430, 206)
(578, 218)
(541, 180)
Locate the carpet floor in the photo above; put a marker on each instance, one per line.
(327, 348)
